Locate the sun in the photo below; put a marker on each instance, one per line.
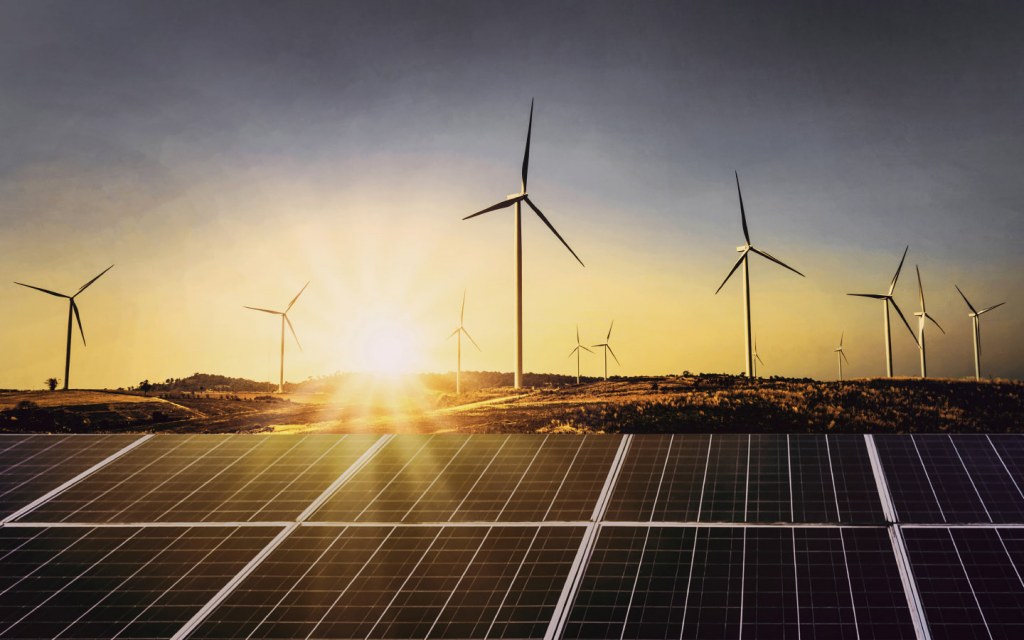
(384, 346)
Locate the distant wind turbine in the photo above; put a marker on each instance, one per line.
(757, 358)
(72, 310)
(576, 352)
(284, 320)
(887, 299)
(460, 331)
(745, 251)
(974, 316)
(922, 315)
(517, 199)
(841, 355)
(607, 349)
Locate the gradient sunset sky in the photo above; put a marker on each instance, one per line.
(222, 154)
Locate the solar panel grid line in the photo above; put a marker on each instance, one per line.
(451, 594)
(73, 481)
(561, 484)
(345, 476)
(796, 573)
(1013, 564)
(480, 477)
(511, 583)
(970, 477)
(849, 581)
(436, 479)
(970, 584)
(560, 616)
(228, 588)
(163, 524)
(928, 476)
(455, 524)
(910, 587)
(1002, 463)
(832, 475)
(746, 495)
(789, 476)
(881, 483)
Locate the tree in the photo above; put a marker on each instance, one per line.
(145, 386)
(51, 383)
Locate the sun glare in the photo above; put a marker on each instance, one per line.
(386, 347)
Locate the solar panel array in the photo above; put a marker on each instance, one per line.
(512, 536)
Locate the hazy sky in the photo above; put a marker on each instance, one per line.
(222, 154)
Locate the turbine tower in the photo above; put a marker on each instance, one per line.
(517, 200)
(576, 352)
(745, 251)
(607, 349)
(974, 315)
(72, 310)
(756, 359)
(460, 331)
(922, 315)
(284, 320)
(841, 355)
(887, 299)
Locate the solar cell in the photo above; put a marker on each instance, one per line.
(509, 478)
(203, 478)
(721, 582)
(402, 582)
(126, 582)
(32, 465)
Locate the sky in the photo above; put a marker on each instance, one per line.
(224, 154)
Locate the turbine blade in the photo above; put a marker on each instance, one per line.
(276, 313)
(935, 322)
(969, 305)
(294, 335)
(759, 359)
(52, 293)
(843, 353)
(453, 334)
(874, 296)
(471, 339)
(78, 318)
(765, 254)
(462, 311)
(609, 348)
(892, 285)
(86, 285)
(577, 334)
(526, 154)
(907, 324)
(736, 266)
(743, 213)
(841, 336)
(920, 287)
(550, 226)
(991, 308)
(501, 205)
(573, 352)
(292, 303)
(586, 349)
(609, 336)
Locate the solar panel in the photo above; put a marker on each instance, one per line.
(508, 478)
(724, 582)
(402, 582)
(32, 465)
(946, 479)
(128, 582)
(757, 478)
(202, 478)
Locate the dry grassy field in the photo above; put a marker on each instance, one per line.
(673, 404)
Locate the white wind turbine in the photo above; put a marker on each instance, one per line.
(746, 250)
(607, 349)
(923, 315)
(887, 299)
(576, 352)
(284, 320)
(460, 331)
(841, 355)
(756, 359)
(517, 199)
(72, 310)
(974, 315)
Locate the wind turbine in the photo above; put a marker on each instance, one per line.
(887, 299)
(284, 320)
(576, 352)
(974, 315)
(922, 315)
(72, 310)
(517, 199)
(459, 331)
(607, 348)
(745, 251)
(841, 355)
(756, 359)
